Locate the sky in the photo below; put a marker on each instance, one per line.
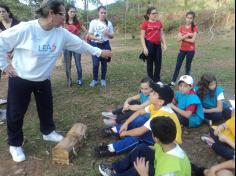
(80, 3)
(91, 6)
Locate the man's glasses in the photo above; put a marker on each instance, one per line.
(61, 14)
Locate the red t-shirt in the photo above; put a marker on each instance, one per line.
(187, 46)
(73, 28)
(193, 107)
(152, 31)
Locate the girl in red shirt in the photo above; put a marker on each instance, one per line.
(152, 36)
(187, 36)
(74, 26)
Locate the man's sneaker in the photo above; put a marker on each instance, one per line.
(53, 136)
(17, 154)
(109, 122)
(103, 151)
(93, 83)
(107, 132)
(172, 84)
(105, 170)
(3, 115)
(109, 115)
(79, 83)
(103, 83)
(2, 101)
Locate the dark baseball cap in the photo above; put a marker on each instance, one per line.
(164, 91)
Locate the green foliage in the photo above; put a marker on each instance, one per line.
(19, 10)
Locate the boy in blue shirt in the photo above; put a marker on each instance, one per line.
(187, 104)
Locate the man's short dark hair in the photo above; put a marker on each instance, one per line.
(164, 129)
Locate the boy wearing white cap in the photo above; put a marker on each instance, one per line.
(187, 104)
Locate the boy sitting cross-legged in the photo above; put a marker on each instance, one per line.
(134, 133)
(166, 158)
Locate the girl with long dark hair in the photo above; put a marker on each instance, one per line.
(187, 36)
(152, 36)
(74, 26)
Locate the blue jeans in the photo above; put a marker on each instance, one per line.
(125, 167)
(67, 60)
(97, 60)
(128, 143)
(154, 56)
(189, 58)
(219, 116)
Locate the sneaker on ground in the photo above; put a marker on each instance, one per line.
(107, 132)
(2, 101)
(93, 83)
(53, 136)
(3, 115)
(105, 170)
(79, 83)
(103, 151)
(103, 83)
(207, 140)
(172, 84)
(109, 115)
(17, 154)
(109, 122)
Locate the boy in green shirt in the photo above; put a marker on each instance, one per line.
(165, 159)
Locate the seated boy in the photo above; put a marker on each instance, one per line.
(133, 134)
(187, 105)
(166, 158)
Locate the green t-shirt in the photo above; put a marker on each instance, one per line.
(169, 163)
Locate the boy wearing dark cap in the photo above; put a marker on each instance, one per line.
(165, 158)
(160, 99)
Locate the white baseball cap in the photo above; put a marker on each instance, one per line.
(187, 79)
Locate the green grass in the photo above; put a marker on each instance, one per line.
(125, 71)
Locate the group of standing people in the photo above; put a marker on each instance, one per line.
(99, 33)
(153, 37)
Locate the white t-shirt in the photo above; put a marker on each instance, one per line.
(36, 50)
(97, 28)
(177, 152)
(221, 97)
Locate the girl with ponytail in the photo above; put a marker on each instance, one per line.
(187, 37)
(152, 36)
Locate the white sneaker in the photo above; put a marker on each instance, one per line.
(3, 115)
(103, 83)
(109, 122)
(17, 154)
(93, 83)
(53, 136)
(108, 115)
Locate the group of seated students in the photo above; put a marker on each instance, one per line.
(149, 126)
